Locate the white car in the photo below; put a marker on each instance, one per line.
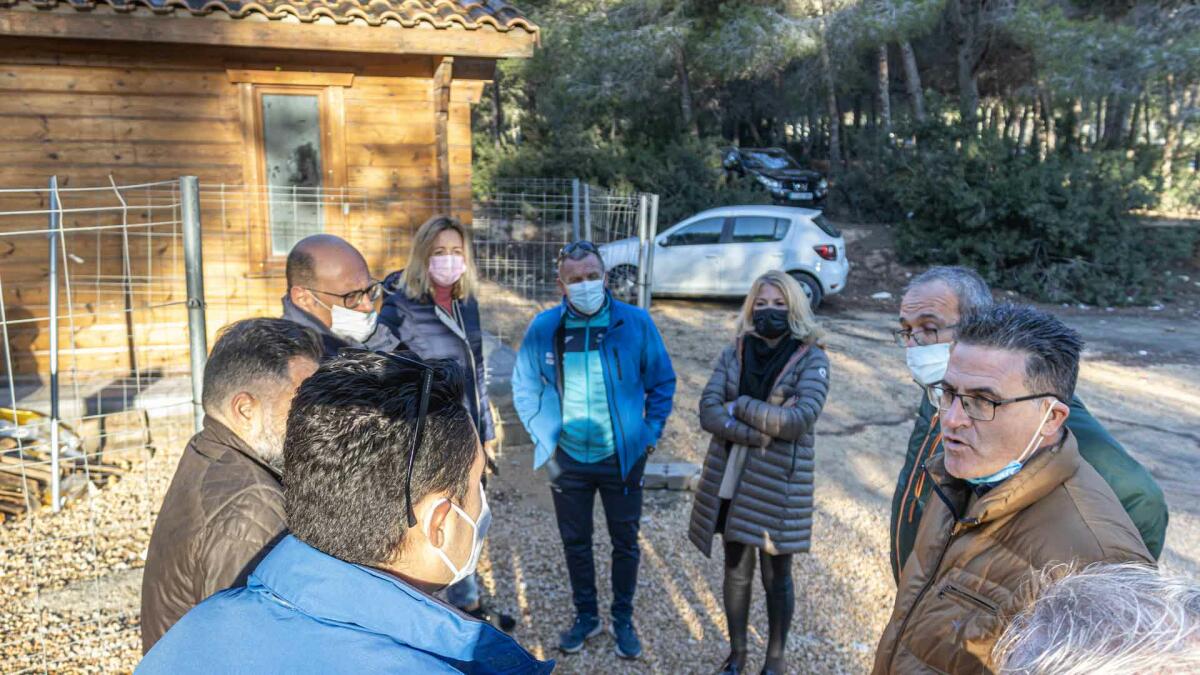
(721, 251)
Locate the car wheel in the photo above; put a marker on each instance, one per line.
(811, 288)
(622, 281)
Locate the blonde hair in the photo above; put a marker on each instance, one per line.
(803, 324)
(416, 274)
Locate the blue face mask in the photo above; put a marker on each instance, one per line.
(587, 297)
(1017, 464)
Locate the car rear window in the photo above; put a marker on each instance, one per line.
(753, 229)
(826, 226)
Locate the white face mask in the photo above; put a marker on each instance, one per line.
(586, 296)
(353, 325)
(928, 363)
(480, 527)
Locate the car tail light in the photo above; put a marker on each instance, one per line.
(826, 251)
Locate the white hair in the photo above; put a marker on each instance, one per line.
(1106, 619)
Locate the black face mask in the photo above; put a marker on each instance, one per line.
(771, 323)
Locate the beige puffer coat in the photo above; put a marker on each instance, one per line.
(771, 508)
(974, 560)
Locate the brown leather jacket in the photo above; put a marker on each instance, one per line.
(971, 568)
(222, 513)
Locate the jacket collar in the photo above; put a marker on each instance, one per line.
(296, 315)
(1047, 469)
(216, 433)
(333, 591)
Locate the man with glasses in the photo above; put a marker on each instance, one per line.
(1013, 494)
(330, 290)
(593, 386)
(930, 312)
(385, 507)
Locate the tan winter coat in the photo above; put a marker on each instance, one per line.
(972, 565)
(771, 508)
(221, 515)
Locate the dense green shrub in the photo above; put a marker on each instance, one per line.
(1057, 229)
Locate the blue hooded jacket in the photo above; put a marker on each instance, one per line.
(303, 611)
(637, 374)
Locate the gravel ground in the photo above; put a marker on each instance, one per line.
(69, 602)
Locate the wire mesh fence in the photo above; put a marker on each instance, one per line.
(94, 324)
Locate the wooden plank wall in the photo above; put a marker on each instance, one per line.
(84, 113)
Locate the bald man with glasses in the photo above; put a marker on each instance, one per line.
(330, 290)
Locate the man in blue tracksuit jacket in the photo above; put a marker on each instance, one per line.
(593, 386)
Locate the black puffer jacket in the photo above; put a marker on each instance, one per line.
(428, 330)
(772, 505)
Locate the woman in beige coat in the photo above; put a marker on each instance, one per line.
(761, 405)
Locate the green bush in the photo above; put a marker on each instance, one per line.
(1058, 229)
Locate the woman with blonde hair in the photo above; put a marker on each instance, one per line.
(431, 308)
(761, 405)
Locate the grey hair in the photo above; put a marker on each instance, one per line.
(971, 290)
(1106, 619)
(1051, 348)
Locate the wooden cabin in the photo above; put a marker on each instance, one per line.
(345, 116)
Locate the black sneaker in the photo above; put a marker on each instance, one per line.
(498, 619)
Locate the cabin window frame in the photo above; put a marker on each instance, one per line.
(328, 88)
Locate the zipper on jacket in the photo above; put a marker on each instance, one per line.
(617, 358)
(613, 410)
(950, 537)
(955, 592)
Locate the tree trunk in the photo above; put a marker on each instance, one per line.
(835, 123)
(1132, 139)
(912, 81)
(1010, 121)
(1023, 130)
(964, 28)
(685, 94)
(1047, 109)
(1172, 115)
(885, 101)
(497, 112)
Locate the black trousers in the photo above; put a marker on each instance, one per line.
(574, 491)
(738, 590)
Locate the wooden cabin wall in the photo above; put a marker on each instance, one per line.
(84, 112)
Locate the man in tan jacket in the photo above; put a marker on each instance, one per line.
(1013, 495)
(224, 509)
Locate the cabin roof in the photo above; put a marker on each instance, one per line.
(469, 14)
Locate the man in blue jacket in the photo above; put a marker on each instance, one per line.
(593, 385)
(385, 507)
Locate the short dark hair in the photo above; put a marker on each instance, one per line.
(971, 290)
(252, 354)
(347, 446)
(1051, 348)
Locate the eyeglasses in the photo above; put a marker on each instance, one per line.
(422, 411)
(977, 407)
(578, 250)
(355, 298)
(922, 336)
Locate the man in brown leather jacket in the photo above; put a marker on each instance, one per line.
(224, 508)
(1012, 495)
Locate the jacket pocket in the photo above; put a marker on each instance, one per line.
(965, 597)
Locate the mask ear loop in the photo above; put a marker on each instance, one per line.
(1032, 445)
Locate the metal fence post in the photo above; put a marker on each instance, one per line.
(587, 211)
(575, 234)
(653, 234)
(189, 192)
(642, 218)
(55, 225)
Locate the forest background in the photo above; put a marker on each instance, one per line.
(1053, 145)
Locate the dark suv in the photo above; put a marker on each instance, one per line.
(775, 171)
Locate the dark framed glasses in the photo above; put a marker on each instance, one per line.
(577, 250)
(977, 408)
(921, 337)
(353, 299)
(422, 411)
